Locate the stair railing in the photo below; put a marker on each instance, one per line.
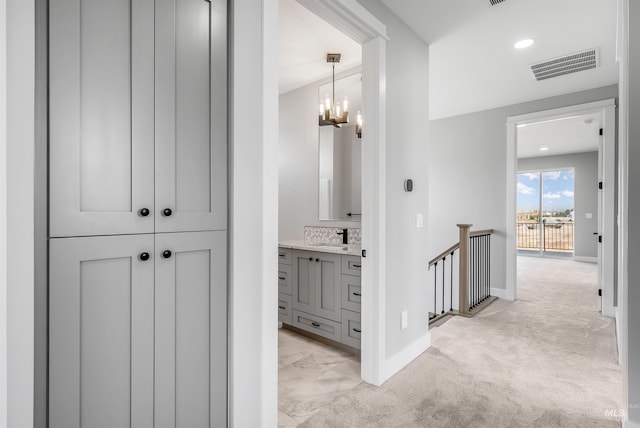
(465, 290)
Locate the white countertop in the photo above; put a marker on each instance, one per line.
(349, 249)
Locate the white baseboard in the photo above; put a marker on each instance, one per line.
(629, 424)
(500, 293)
(396, 363)
(585, 259)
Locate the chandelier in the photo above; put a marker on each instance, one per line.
(331, 113)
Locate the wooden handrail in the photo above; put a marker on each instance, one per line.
(444, 253)
(481, 232)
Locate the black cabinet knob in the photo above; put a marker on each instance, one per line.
(310, 259)
(144, 212)
(167, 212)
(144, 256)
(166, 254)
(317, 260)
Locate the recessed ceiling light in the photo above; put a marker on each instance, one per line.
(524, 43)
(544, 149)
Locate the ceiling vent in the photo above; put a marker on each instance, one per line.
(567, 64)
(495, 2)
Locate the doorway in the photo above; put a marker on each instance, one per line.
(601, 116)
(545, 213)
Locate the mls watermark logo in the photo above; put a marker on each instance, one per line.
(614, 413)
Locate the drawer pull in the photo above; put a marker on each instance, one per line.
(281, 278)
(282, 307)
(356, 294)
(282, 255)
(315, 324)
(356, 266)
(357, 330)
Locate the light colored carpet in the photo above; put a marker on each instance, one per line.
(548, 359)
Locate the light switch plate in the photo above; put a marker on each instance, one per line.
(419, 220)
(404, 320)
(588, 215)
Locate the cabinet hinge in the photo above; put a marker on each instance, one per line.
(601, 131)
(364, 253)
(600, 185)
(600, 292)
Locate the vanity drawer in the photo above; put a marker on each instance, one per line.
(351, 293)
(351, 265)
(351, 329)
(317, 325)
(285, 303)
(284, 279)
(284, 256)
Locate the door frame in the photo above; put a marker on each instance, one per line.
(606, 109)
(358, 23)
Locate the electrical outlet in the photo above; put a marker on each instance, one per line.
(404, 320)
(419, 220)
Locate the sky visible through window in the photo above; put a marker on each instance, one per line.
(558, 190)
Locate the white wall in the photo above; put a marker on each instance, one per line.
(633, 229)
(407, 82)
(253, 342)
(585, 197)
(3, 214)
(20, 19)
(467, 166)
(298, 162)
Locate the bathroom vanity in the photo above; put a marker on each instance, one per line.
(319, 289)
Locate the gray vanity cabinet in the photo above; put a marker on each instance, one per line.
(317, 283)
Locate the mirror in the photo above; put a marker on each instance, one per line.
(339, 156)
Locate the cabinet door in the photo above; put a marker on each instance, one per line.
(191, 330)
(101, 332)
(191, 118)
(328, 280)
(304, 279)
(101, 117)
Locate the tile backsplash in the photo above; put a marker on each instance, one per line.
(328, 235)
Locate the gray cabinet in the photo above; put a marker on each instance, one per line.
(101, 332)
(351, 328)
(101, 124)
(285, 303)
(138, 116)
(317, 283)
(190, 330)
(285, 277)
(138, 331)
(191, 120)
(137, 213)
(326, 294)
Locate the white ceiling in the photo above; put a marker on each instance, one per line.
(304, 43)
(473, 65)
(571, 135)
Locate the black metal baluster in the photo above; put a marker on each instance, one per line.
(486, 259)
(435, 286)
(451, 286)
(443, 269)
(489, 269)
(474, 270)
